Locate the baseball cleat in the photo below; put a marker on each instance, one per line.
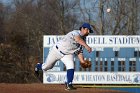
(70, 87)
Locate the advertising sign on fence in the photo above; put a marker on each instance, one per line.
(115, 60)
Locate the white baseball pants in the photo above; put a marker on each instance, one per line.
(54, 55)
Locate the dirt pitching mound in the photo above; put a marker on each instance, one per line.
(44, 88)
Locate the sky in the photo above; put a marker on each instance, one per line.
(5, 1)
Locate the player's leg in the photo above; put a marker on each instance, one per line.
(51, 59)
(69, 63)
(37, 73)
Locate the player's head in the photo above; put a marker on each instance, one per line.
(86, 28)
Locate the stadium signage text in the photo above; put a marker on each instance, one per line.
(95, 77)
(100, 41)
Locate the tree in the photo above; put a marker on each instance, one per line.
(1, 23)
(123, 18)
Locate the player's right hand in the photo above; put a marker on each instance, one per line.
(89, 49)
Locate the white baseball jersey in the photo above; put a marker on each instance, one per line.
(68, 45)
(63, 50)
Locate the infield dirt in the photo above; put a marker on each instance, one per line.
(48, 88)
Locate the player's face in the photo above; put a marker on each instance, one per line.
(86, 30)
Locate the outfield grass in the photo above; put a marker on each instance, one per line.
(110, 86)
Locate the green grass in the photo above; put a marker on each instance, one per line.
(109, 86)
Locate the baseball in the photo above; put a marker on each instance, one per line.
(108, 10)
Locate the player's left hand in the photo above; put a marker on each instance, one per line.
(86, 64)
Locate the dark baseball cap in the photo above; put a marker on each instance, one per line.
(87, 25)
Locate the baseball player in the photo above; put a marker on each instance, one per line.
(72, 43)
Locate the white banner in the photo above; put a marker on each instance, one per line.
(94, 77)
(100, 41)
(56, 75)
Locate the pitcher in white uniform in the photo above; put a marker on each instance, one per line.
(72, 43)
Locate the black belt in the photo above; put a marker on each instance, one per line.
(60, 51)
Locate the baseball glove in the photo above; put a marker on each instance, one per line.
(86, 64)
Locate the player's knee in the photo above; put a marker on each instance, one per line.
(46, 67)
(70, 67)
